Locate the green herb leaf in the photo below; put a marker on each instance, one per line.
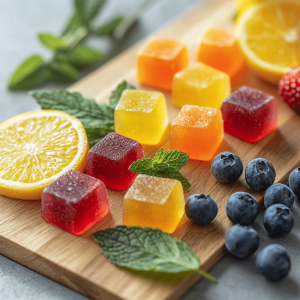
(173, 158)
(82, 56)
(149, 250)
(52, 42)
(109, 27)
(164, 164)
(88, 9)
(31, 73)
(72, 25)
(117, 93)
(60, 71)
(90, 113)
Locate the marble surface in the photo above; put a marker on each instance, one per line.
(20, 21)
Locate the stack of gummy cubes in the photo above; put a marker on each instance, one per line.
(76, 201)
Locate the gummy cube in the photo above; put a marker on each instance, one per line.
(110, 159)
(197, 131)
(159, 60)
(142, 116)
(200, 85)
(218, 48)
(75, 202)
(249, 114)
(154, 202)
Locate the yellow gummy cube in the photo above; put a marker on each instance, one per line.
(142, 116)
(200, 85)
(154, 202)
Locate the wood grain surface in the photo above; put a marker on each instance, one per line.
(77, 261)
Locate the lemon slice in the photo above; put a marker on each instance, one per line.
(269, 37)
(36, 148)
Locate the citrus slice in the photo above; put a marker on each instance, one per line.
(269, 37)
(243, 5)
(36, 148)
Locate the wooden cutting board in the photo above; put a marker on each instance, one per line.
(77, 261)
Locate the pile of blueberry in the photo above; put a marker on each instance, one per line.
(242, 209)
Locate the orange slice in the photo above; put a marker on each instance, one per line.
(269, 37)
(36, 148)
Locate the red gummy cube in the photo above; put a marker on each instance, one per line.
(110, 159)
(75, 202)
(249, 114)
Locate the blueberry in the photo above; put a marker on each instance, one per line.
(201, 209)
(227, 167)
(279, 194)
(273, 262)
(294, 182)
(241, 241)
(278, 220)
(242, 208)
(260, 174)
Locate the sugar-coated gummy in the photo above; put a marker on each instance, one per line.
(227, 167)
(273, 262)
(279, 193)
(75, 202)
(218, 48)
(242, 208)
(260, 174)
(110, 159)
(294, 182)
(249, 114)
(142, 116)
(278, 220)
(197, 131)
(154, 202)
(159, 60)
(200, 85)
(241, 241)
(201, 209)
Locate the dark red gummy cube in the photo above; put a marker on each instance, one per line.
(249, 114)
(110, 159)
(75, 202)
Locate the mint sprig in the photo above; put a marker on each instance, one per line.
(149, 250)
(68, 53)
(164, 164)
(97, 118)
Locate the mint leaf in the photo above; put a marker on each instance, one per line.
(90, 113)
(52, 42)
(97, 118)
(82, 56)
(108, 28)
(72, 25)
(117, 93)
(87, 10)
(164, 164)
(173, 158)
(60, 71)
(31, 73)
(148, 249)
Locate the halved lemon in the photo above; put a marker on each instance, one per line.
(36, 148)
(269, 37)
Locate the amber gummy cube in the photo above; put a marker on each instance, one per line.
(159, 60)
(197, 131)
(142, 116)
(200, 85)
(154, 202)
(218, 48)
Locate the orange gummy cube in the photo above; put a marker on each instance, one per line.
(159, 61)
(197, 131)
(218, 49)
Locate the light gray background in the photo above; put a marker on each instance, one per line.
(20, 21)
